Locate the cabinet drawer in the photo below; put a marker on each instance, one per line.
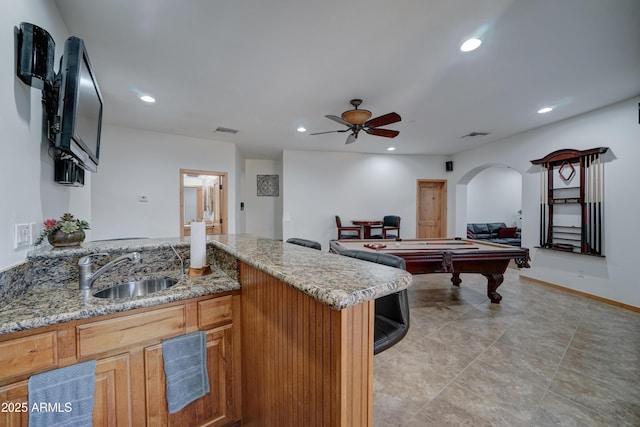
(214, 311)
(28, 354)
(112, 334)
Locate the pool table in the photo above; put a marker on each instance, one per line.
(447, 256)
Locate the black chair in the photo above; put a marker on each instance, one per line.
(389, 223)
(391, 322)
(349, 230)
(305, 242)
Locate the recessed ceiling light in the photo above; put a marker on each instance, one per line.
(545, 110)
(147, 98)
(471, 44)
(391, 149)
(301, 129)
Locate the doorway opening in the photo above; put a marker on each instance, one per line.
(495, 195)
(489, 193)
(203, 198)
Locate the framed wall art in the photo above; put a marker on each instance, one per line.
(268, 185)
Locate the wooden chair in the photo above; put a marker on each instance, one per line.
(389, 223)
(349, 230)
(391, 321)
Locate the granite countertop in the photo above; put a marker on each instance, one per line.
(57, 303)
(334, 280)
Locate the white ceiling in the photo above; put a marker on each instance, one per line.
(265, 66)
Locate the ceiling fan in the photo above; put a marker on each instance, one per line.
(356, 120)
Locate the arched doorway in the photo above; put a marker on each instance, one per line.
(489, 193)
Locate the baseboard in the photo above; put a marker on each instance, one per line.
(584, 294)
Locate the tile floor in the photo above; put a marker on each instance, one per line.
(542, 357)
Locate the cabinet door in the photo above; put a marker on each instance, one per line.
(112, 399)
(13, 398)
(214, 409)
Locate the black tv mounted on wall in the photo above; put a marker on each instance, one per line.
(72, 100)
(77, 125)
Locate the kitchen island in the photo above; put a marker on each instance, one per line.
(305, 326)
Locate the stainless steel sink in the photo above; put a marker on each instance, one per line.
(136, 288)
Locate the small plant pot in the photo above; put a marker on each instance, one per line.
(61, 239)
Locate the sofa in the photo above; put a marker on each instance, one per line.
(496, 232)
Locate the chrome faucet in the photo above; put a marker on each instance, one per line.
(88, 276)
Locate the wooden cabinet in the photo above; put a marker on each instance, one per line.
(28, 354)
(218, 408)
(13, 397)
(304, 363)
(214, 409)
(113, 392)
(123, 332)
(130, 383)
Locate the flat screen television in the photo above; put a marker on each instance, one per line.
(78, 120)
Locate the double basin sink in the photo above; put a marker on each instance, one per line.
(135, 288)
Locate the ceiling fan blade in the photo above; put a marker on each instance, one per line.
(388, 133)
(383, 120)
(351, 138)
(329, 131)
(338, 119)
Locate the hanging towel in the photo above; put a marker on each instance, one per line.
(63, 397)
(185, 369)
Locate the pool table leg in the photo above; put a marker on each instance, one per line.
(493, 281)
(455, 279)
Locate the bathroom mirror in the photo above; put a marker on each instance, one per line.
(203, 197)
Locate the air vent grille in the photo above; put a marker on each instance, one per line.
(474, 133)
(227, 131)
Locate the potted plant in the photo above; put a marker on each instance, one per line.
(67, 231)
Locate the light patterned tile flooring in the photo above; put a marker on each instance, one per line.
(542, 357)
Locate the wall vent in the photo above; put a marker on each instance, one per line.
(226, 131)
(474, 133)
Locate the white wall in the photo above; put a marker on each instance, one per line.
(613, 277)
(132, 162)
(315, 186)
(240, 191)
(318, 185)
(263, 214)
(137, 163)
(28, 192)
(495, 195)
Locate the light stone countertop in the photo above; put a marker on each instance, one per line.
(336, 281)
(57, 303)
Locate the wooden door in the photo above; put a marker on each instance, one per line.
(218, 225)
(215, 408)
(431, 215)
(113, 397)
(15, 404)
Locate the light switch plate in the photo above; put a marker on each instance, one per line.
(23, 235)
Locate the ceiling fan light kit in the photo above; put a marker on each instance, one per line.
(356, 120)
(355, 116)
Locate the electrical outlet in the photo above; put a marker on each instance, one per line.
(23, 235)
